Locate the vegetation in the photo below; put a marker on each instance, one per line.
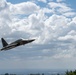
(9, 74)
(66, 73)
(71, 73)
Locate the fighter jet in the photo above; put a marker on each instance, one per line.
(19, 42)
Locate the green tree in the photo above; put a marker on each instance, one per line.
(70, 72)
(6, 74)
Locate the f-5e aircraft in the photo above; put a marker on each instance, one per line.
(19, 42)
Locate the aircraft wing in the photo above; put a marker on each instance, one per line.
(13, 44)
(10, 46)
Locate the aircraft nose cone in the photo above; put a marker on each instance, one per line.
(28, 41)
(32, 40)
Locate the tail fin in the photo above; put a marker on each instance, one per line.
(4, 42)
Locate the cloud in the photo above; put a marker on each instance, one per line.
(5, 18)
(51, 26)
(24, 8)
(43, 1)
(61, 8)
(60, 0)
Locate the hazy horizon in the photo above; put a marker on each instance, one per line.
(32, 71)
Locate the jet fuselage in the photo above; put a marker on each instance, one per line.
(15, 44)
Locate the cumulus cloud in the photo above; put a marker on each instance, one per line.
(61, 8)
(43, 1)
(5, 18)
(60, 0)
(55, 34)
(24, 8)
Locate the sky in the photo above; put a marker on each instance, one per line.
(51, 22)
